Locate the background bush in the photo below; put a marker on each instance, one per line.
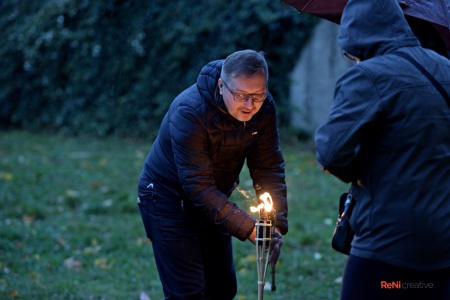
(113, 67)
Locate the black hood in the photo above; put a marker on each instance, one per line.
(374, 27)
(207, 83)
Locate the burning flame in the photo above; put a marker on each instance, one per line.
(267, 203)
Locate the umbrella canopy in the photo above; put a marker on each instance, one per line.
(325, 9)
(437, 12)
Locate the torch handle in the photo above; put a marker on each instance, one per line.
(263, 238)
(274, 224)
(274, 287)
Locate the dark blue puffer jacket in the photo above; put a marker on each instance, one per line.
(201, 150)
(389, 133)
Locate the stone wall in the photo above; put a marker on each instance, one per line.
(314, 76)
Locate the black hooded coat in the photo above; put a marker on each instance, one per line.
(388, 133)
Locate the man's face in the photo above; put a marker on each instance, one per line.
(241, 86)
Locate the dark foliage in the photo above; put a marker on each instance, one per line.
(114, 66)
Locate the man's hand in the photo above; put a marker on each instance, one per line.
(275, 243)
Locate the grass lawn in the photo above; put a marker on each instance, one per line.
(70, 227)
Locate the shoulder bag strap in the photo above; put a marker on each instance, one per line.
(429, 76)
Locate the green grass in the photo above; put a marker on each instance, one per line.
(70, 227)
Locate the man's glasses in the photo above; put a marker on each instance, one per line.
(241, 97)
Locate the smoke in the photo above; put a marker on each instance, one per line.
(244, 193)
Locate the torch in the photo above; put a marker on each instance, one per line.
(264, 231)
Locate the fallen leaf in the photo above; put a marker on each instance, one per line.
(96, 184)
(140, 241)
(72, 263)
(144, 296)
(108, 203)
(338, 280)
(102, 263)
(72, 193)
(103, 162)
(27, 219)
(14, 294)
(92, 250)
(6, 176)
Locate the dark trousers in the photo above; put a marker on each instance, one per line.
(194, 260)
(370, 279)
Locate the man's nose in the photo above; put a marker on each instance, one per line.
(249, 102)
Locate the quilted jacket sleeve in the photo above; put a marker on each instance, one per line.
(195, 171)
(355, 109)
(266, 165)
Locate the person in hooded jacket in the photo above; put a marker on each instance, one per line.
(227, 118)
(388, 134)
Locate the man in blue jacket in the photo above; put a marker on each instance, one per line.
(388, 133)
(226, 118)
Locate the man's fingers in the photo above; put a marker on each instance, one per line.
(276, 244)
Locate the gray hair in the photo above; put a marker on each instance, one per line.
(245, 63)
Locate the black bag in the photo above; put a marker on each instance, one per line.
(343, 233)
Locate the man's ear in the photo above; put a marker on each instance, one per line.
(220, 85)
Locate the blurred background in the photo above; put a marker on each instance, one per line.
(112, 67)
(83, 87)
